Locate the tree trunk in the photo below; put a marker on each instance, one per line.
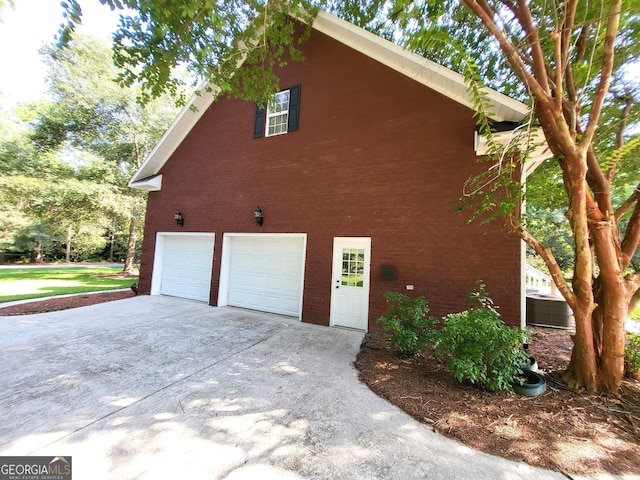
(67, 254)
(582, 369)
(112, 240)
(36, 255)
(611, 367)
(608, 324)
(129, 263)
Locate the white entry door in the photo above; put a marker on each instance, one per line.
(350, 282)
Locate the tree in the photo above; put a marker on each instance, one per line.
(65, 210)
(566, 59)
(564, 55)
(93, 114)
(209, 38)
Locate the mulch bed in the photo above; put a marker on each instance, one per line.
(562, 430)
(54, 304)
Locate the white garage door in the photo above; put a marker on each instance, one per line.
(266, 273)
(186, 266)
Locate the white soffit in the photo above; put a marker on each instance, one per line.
(149, 184)
(412, 65)
(538, 153)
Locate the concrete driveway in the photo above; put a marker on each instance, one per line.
(157, 387)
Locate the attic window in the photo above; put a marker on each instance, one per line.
(280, 116)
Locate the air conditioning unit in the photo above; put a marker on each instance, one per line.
(549, 311)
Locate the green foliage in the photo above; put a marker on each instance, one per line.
(45, 211)
(632, 354)
(210, 38)
(479, 297)
(407, 319)
(66, 163)
(552, 228)
(92, 113)
(479, 347)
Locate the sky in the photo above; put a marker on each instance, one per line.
(28, 26)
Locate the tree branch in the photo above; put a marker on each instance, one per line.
(633, 280)
(572, 93)
(539, 65)
(486, 14)
(631, 239)
(554, 269)
(599, 183)
(557, 73)
(567, 30)
(605, 74)
(628, 103)
(628, 203)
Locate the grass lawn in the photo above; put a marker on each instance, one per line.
(35, 282)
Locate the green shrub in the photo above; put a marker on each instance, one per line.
(632, 355)
(479, 297)
(407, 319)
(481, 349)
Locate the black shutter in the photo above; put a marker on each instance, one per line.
(294, 108)
(258, 126)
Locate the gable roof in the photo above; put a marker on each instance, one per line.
(412, 65)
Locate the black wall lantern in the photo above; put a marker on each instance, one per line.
(179, 218)
(257, 214)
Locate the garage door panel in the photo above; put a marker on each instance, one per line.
(266, 273)
(187, 266)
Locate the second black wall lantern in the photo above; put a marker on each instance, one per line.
(257, 214)
(179, 218)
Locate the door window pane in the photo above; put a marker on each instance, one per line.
(353, 267)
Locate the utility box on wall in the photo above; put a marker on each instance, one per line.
(388, 272)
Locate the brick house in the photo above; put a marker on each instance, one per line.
(355, 175)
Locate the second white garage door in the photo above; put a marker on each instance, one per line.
(266, 273)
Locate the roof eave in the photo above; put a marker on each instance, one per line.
(538, 150)
(148, 184)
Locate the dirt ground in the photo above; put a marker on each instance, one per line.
(570, 432)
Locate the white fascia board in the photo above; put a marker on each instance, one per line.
(416, 67)
(176, 133)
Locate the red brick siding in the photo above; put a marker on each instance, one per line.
(377, 155)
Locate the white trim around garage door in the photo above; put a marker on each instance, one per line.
(159, 258)
(225, 263)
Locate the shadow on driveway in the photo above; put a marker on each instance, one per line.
(158, 387)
